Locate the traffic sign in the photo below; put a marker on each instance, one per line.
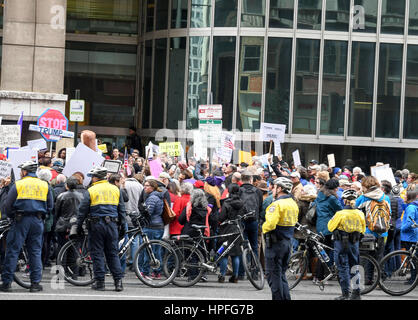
(52, 132)
(210, 112)
(77, 110)
(52, 119)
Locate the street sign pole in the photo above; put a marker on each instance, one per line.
(77, 97)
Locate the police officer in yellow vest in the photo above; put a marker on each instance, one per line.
(281, 218)
(105, 210)
(27, 203)
(347, 226)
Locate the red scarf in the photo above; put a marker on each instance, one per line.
(189, 212)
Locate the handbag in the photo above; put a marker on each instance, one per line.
(311, 213)
(168, 214)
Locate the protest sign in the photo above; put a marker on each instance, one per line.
(199, 149)
(271, 131)
(10, 136)
(102, 148)
(150, 149)
(296, 158)
(68, 153)
(82, 160)
(245, 157)
(18, 156)
(112, 166)
(39, 144)
(277, 149)
(227, 146)
(383, 173)
(331, 160)
(155, 167)
(173, 149)
(5, 169)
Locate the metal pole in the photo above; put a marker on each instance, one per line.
(77, 97)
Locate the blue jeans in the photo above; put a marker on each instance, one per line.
(30, 231)
(224, 262)
(277, 260)
(346, 259)
(250, 233)
(143, 259)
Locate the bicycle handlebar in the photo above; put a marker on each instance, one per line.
(239, 218)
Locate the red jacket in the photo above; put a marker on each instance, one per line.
(178, 206)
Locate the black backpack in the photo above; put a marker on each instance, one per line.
(249, 197)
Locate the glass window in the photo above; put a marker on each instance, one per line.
(162, 15)
(226, 13)
(281, 14)
(179, 14)
(365, 16)
(223, 70)
(393, 16)
(158, 93)
(389, 90)
(279, 62)
(250, 83)
(106, 77)
(102, 16)
(146, 100)
(411, 94)
(333, 87)
(253, 13)
(306, 86)
(176, 82)
(200, 16)
(309, 14)
(337, 15)
(361, 89)
(150, 15)
(198, 78)
(413, 17)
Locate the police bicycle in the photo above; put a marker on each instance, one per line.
(399, 270)
(21, 275)
(77, 265)
(195, 259)
(298, 262)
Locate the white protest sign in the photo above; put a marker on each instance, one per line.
(331, 160)
(296, 158)
(150, 149)
(227, 146)
(68, 153)
(39, 144)
(83, 160)
(271, 131)
(265, 159)
(5, 169)
(277, 149)
(10, 136)
(18, 156)
(199, 150)
(384, 173)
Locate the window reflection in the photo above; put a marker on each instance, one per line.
(333, 87)
(223, 70)
(393, 16)
(150, 15)
(158, 94)
(281, 13)
(226, 13)
(253, 13)
(306, 86)
(198, 78)
(337, 15)
(162, 15)
(279, 61)
(411, 94)
(365, 16)
(250, 83)
(413, 17)
(146, 100)
(200, 15)
(361, 89)
(309, 14)
(179, 14)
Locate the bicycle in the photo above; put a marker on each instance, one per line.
(298, 262)
(193, 256)
(399, 270)
(77, 266)
(21, 275)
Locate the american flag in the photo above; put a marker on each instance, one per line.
(228, 142)
(125, 162)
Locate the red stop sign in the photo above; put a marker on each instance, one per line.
(54, 119)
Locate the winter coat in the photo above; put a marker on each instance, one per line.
(231, 208)
(178, 207)
(303, 205)
(326, 206)
(409, 234)
(3, 196)
(66, 207)
(198, 216)
(133, 188)
(155, 205)
(59, 188)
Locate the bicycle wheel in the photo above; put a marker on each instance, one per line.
(253, 269)
(190, 269)
(399, 270)
(371, 273)
(149, 263)
(76, 263)
(22, 272)
(296, 268)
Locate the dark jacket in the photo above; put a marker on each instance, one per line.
(231, 208)
(134, 142)
(3, 196)
(155, 205)
(166, 194)
(59, 188)
(198, 216)
(253, 200)
(66, 207)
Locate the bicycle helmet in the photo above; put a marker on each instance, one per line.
(285, 183)
(396, 190)
(30, 166)
(99, 172)
(349, 194)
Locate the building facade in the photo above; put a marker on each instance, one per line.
(342, 75)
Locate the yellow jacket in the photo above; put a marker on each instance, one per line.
(283, 212)
(348, 220)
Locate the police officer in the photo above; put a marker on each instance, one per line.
(281, 218)
(105, 210)
(27, 203)
(347, 225)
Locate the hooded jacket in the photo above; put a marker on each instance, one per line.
(327, 205)
(362, 202)
(197, 216)
(66, 207)
(408, 233)
(155, 205)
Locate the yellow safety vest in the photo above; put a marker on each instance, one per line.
(104, 193)
(348, 220)
(283, 212)
(31, 188)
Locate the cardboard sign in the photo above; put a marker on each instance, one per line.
(331, 160)
(383, 173)
(5, 169)
(271, 131)
(102, 148)
(155, 167)
(18, 156)
(173, 149)
(10, 136)
(296, 158)
(112, 166)
(245, 157)
(39, 144)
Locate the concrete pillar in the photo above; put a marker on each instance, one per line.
(33, 62)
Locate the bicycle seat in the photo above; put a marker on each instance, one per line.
(196, 226)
